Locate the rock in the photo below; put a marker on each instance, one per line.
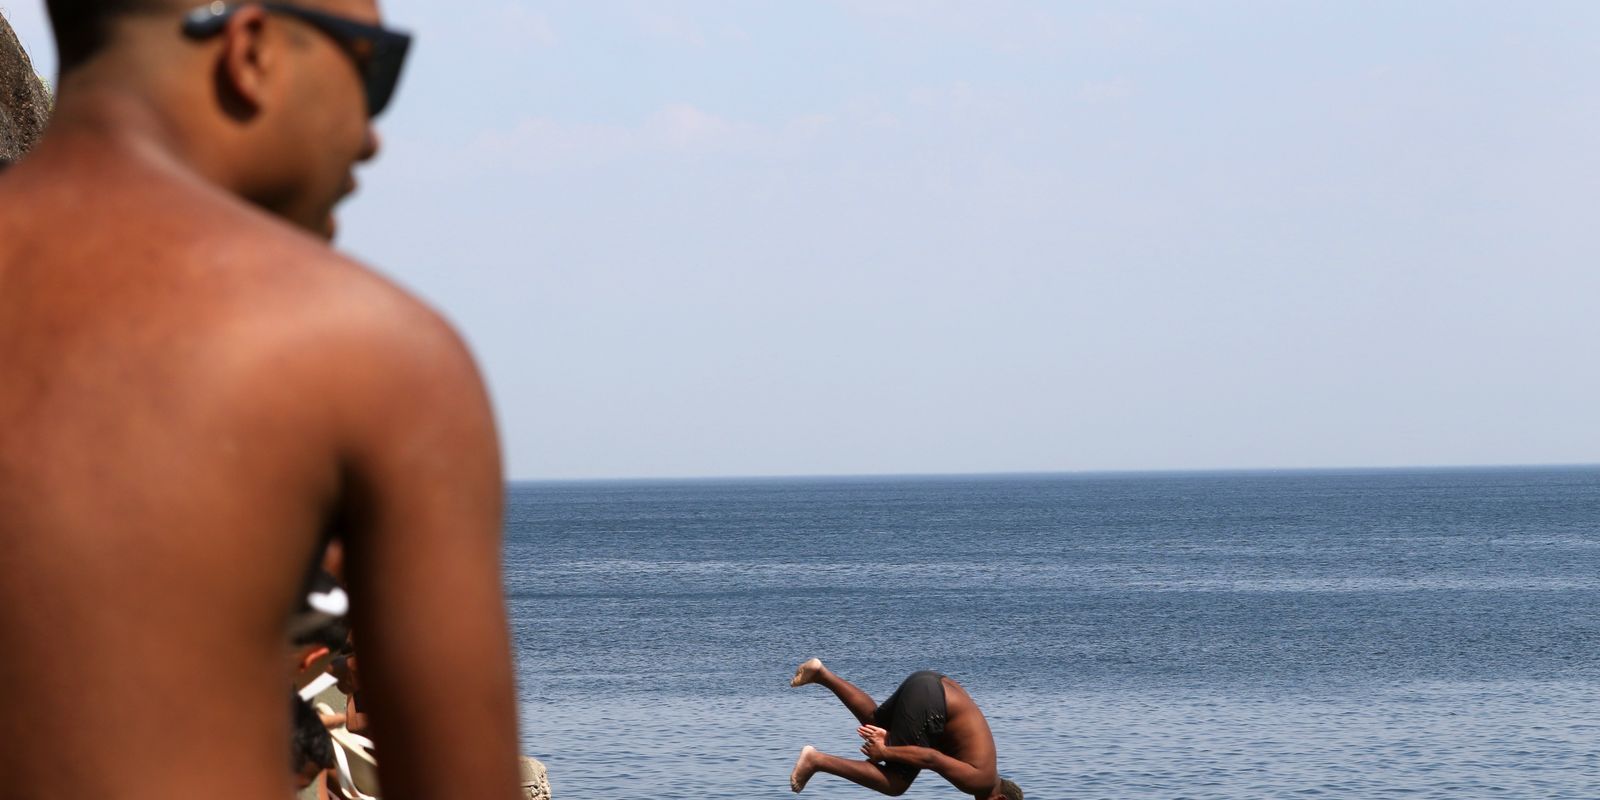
(24, 98)
(535, 780)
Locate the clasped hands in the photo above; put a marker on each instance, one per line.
(874, 748)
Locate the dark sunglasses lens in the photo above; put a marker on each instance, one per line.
(383, 73)
(379, 54)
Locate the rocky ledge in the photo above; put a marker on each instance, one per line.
(24, 97)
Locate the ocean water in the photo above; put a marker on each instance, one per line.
(1419, 634)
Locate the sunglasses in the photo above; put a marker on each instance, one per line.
(378, 52)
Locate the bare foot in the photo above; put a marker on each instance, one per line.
(806, 673)
(803, 769)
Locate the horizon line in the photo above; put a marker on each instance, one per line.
(1084, 473)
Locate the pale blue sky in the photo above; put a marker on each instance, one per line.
(865, 236)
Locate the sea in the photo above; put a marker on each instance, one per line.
(1326, 634)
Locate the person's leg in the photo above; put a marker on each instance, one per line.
(860, 703)
(864, 773)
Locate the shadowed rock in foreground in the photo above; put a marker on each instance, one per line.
(24, 99)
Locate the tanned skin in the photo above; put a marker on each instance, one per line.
(966, 757)
(195, 392)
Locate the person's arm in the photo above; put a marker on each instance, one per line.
(354, 720)
(422, 491)
(959, 773)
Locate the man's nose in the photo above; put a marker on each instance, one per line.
(370, 146)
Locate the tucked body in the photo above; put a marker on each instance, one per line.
(930, 722)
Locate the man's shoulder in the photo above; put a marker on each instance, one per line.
(198, 266)
(288, 310)
(332, 343)
(299, 283)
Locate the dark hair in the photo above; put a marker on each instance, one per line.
(333, 633)
(1010, 790)
(311, 741)
(82, 27)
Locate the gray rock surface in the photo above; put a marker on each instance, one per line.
(535, 780)
(24, 98)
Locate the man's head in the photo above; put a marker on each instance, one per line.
(320, 647)
(310, 748)
(1009, 790)
(271, 100)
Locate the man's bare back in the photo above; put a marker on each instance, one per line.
(967, 737)
(193, 396)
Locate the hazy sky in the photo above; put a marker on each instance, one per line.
(863, 236)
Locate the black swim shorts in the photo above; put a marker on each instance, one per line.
(913, 715)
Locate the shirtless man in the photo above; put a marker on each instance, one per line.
(196, 392)
(930, 722)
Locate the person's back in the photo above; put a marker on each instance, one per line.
(193, 395)
(967, 737)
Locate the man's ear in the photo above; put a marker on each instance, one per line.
(247, 62)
